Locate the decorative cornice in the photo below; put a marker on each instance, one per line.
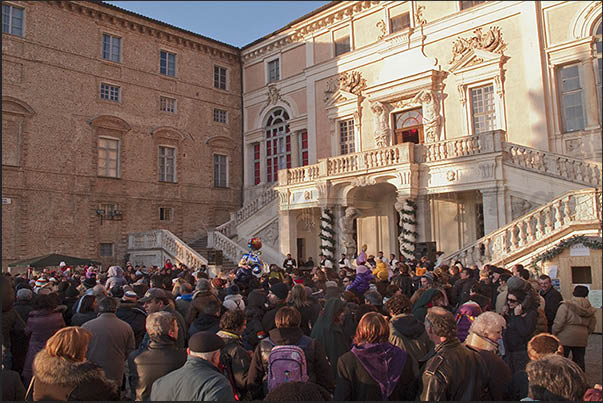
(122, 22)
(308, 27)
(490, 41)
(274, 96)
(350, 81)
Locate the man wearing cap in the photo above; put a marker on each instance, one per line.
(277, 297)
(199, 378)
(131, 312)
(157, 299)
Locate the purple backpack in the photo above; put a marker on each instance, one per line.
(287, 363)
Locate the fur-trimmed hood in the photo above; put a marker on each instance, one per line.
(55, 370)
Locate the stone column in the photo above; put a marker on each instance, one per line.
(338, 213)
(423, 218)
(288, 232)
(346, 229)
(327, 233)
(490, 203)
(407, 209)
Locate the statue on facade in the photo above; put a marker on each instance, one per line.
(381, 121)
(431, 114)
(347, 232)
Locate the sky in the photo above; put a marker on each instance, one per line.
(236, 23)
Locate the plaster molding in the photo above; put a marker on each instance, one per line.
(274, 98)
(491, 41)
(583, 22)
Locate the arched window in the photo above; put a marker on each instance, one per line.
(599, 68)
(409, 126)
(278, 144)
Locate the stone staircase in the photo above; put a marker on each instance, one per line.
(213, 256)
(573, 213)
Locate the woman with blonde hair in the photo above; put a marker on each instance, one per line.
(61, 371)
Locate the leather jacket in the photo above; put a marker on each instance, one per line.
(453, 372)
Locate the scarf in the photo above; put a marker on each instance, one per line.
(384, 363)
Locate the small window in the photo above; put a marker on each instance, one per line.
(581, 275)
(219, 115)
(108, 157)
(12, 20)
(220, 167)
(399, 22)
(167, 164)
(342, 45)
(219, 77)
(408, 126)
(483, 111)
(572, 106)
(468, 4)
(106, 249)
(110, 92)
(167, 65)
(303, 148)
(256, 164)
(111, 48)
(165, 213)
(346, 136)
(274, 73)
(167, 104)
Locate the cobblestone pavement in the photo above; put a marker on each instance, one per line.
(594, 360)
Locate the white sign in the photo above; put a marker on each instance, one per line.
(579, 250)
(6, 200)
(596, 298)
(552, 271)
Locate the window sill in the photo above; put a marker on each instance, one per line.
(168, 76)
(110, 62)
(167, 182)
(225, 91)
(222, 187)
(108, 177)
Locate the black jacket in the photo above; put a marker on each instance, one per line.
(159, 358)
(319, 369)
(12, 387)
(552, 300)
(519, 331)
(135, 316)
(268, 319)
(453, 372)
(406, 332)
(236, 361)
(254, 326)
(204, 323)
(460, 291)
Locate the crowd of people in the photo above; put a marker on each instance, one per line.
(362, 329)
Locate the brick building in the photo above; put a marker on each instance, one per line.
(113, 123)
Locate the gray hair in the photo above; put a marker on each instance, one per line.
(160, 323)
(206, 356)
(486, 322)
(107, 304)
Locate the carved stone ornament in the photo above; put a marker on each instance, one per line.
(429, 102)
(381, 27)
(363, 181)
(419, 19)
(520, 207)
(381, 121)
(273, 97)
(350, 81)
(270, 234)
(451, 176)
(491, 41)
(346, 224)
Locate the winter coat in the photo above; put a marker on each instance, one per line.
(196, 380)
(236, 361)
(465, 316)
(404, 281)
(309, 315)
(519, 330)
(204, 323)
(254, 330)
(80, 318)
(380, 272)
(460, 291)
(330, 333)
(112, 341)
(135, 316)
(61, 379)
(23, 308)
(406, 332)
(268, 319)
(232, 302)
(361, 282)
(499, 373)
(501, 298)
(159, 358)
(12, 387)
(574, 322)
(375, 372)
(115, 277)
(318, 367)
(41, 326)
(419, 309)
(183, 305)
(552, 300)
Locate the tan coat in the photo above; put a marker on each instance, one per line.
(574, 322)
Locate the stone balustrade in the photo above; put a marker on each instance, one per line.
(578, 207)
(571, 169)
(460, 147)
(230, 249)
(167, 242)
(248, 210)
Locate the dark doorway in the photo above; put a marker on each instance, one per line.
(301, 251)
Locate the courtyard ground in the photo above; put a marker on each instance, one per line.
(594, 360)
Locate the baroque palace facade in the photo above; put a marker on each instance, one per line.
(475, 125)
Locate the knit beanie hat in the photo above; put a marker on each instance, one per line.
(580, 291)
(233, 290)
(203, 285)
(515, 283)
(24, 294)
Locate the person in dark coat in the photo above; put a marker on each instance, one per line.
(159, 358)
(298, 298)
(521, 315)
(484, 334)
(208, 320)
(431, 297)
(288, 332)
(12, 386)
(277, 297)
(87, 311)
(374, 370)
(329, 332)
(43, 322)
(552, 299)
(406, 332)
(254, 311)
(62, 372)
(157, 299)
(131, 312)
(451, 371)
(234, 358)
(403, 280)
(199, 379)
(23, 305)
(460, 289)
